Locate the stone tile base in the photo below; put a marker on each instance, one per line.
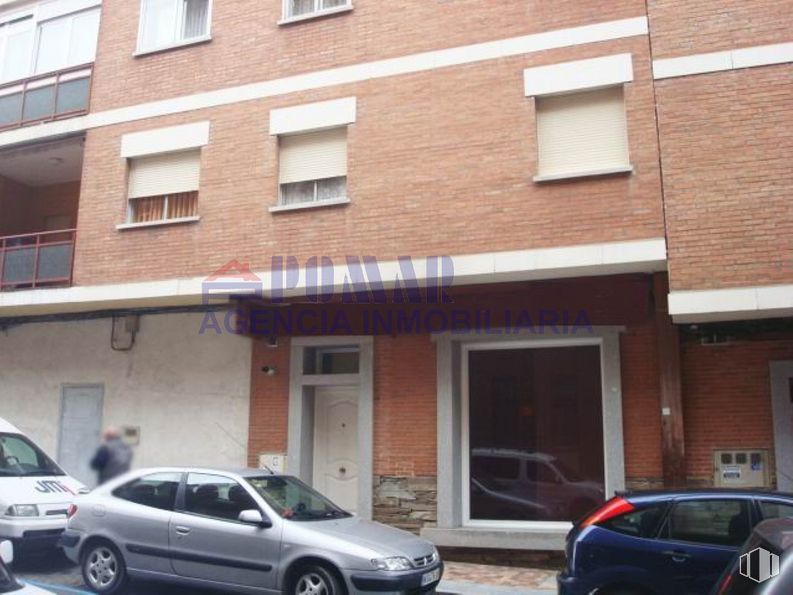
(408, 503)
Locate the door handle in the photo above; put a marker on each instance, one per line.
(342, 470)
(182, 531)
(677, 555)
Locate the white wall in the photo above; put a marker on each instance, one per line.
(189, 393)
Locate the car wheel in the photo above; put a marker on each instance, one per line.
(103, 568)
(316, 580)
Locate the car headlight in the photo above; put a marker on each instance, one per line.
(23, 510)
(395, 563)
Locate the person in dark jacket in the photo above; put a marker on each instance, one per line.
(113, 457)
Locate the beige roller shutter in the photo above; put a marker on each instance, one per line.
(313, 156)
(170, 173)
(582, 132)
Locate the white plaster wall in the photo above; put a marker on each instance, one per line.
(189, 393)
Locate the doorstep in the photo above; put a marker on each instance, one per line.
(461, 578)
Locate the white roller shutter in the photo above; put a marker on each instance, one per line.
(582, 132)
(313, 156)
(170, 173)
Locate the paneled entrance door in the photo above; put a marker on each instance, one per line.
(336, 444)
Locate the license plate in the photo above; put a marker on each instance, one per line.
(430, 577)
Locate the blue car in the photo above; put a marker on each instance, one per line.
(664, 542)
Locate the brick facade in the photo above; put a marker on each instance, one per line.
(429, 151)
(441, 161)
(249, 46)
(728, 399)
(728, 225)
(682, 27)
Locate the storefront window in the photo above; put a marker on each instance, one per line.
(535, 433)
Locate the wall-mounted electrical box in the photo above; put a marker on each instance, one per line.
(273, 461)
(741, 469)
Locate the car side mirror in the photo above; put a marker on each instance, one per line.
(255, 517)
(6, 552)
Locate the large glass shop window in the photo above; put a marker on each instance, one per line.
(535, 420)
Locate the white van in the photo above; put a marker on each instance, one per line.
(35, 493)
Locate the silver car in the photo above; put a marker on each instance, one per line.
(245, 531)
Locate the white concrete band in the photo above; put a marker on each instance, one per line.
(641, 256)
(739, 303)
(749, 57)
(578, 75)
(165, 140)
(313, 116)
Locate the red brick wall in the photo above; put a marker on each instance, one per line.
(683, 27)
(405, 422)
(727, 399)
(641, 407)
(440, 162)
(727, 150)
(269, 410)
(249, 46)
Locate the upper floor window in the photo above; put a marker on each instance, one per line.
(313, 167)
(16, 48)
(67, 41)
(168, 23)
(302, 8)
(582, 127)
(582, 133)
(164, 187)
(48, 41)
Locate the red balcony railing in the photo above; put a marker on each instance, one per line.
(37, 260)
(46, 97)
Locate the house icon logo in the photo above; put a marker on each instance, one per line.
(759, 565)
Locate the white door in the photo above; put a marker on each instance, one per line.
(81, 426)
(336, 444)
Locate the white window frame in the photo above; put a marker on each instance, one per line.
(7, 20)
(316, 202)
(317, 12)
(465, 421)
(39, 16)
(37, 38)
(141, 50)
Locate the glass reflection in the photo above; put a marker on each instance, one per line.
(536, 433)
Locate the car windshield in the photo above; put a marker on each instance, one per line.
(294, 500)
(19, 457)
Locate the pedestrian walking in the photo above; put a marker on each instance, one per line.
(113, 457)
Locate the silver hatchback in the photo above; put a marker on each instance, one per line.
(244, 531)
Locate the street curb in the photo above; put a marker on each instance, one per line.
(464, 588)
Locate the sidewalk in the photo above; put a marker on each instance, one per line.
(479, 579)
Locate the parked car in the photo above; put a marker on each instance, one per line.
(35, 493)
(664, 542)
(8, 582)
(519, 485)
(751, 570)
(245, 531)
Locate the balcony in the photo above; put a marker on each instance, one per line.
(37, 260)
(39, 196)
(44, 98)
